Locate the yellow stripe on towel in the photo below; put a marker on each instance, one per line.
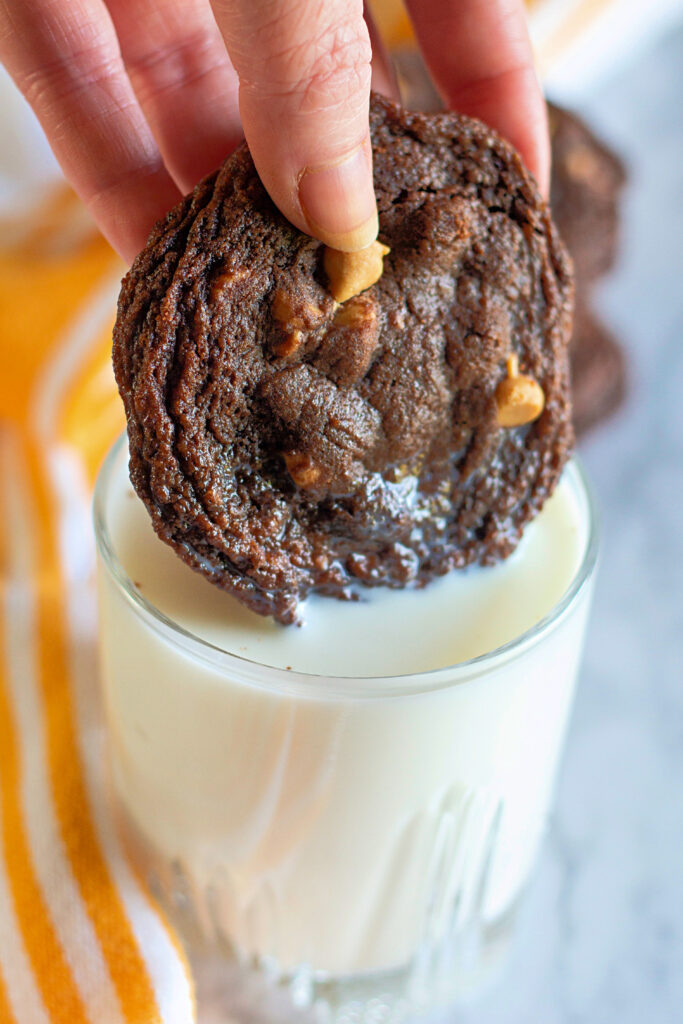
(6, 1015)
(103, 902)
(45, 954)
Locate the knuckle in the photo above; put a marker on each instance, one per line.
(70, 74)
(177, 65)
(329, 68)
(333, 78)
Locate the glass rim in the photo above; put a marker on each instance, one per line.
(293, 682)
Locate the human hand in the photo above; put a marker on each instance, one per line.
(141, 98)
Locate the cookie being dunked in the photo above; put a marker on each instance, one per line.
(285, 443)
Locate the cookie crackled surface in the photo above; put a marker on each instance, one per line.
(284, 443)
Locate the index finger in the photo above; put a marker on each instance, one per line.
(480, 56)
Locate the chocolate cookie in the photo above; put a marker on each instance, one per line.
(586, 184)
(285, 444)
(598, 371)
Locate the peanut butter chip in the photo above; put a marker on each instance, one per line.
(290, 344)
(292, 312)
(294, 318)
(360, 313)
(227, 280)
(350, 273)
(520, 399)
(302, 469)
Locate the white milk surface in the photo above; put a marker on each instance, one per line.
(347, 828)
(386, 632)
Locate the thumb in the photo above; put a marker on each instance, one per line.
(304, 71)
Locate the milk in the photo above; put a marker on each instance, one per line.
(316, 802)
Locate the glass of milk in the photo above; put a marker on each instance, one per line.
(344, 813)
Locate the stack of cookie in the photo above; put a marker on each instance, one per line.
(586, 186)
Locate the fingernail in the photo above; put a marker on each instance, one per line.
(338, 202)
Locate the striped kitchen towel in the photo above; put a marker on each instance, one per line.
(80, 939)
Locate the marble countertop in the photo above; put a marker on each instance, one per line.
(600, 938)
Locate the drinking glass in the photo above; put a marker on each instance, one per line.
(354, 847)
